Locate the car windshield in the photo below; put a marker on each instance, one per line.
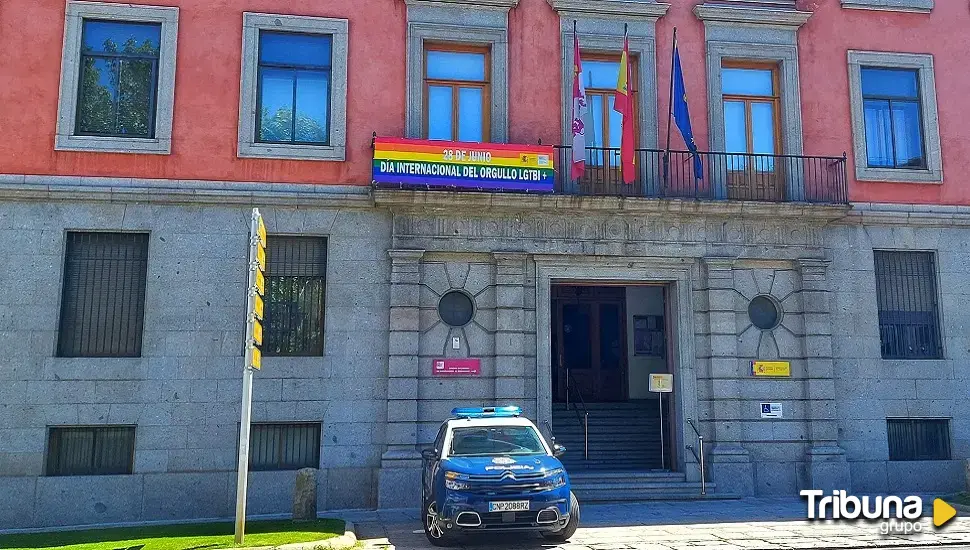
(496, 440)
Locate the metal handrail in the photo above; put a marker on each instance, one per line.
(700, 459)
(584, 419)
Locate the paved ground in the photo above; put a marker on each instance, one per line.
(747, 524)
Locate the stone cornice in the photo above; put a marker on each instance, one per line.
(98, 189)
(611, 8)
(759, 16)
(467, 202)
(920, 215)
(490, 4)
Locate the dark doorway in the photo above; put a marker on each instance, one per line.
(589, 343)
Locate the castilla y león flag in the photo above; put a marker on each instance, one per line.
(623, 104)
(579, 112)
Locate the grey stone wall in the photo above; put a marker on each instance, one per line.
(868, 388)
(373, 390)
(183, 393)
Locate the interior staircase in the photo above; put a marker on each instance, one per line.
(624, 458)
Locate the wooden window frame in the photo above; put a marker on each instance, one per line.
(774, 99)
(607, 93)
(455, 85)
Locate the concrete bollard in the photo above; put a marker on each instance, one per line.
(966, 474)
(305, 495)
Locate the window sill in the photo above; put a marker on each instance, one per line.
(104, 144)
(899, 175)
(912, 6)
(292, 152)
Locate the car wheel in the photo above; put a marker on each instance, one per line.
(569, 530)
(432, 526)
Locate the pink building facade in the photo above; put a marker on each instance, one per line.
(824, 232)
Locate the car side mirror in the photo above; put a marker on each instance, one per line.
(429, 454)
(558, 450)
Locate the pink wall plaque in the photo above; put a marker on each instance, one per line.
(456, 367)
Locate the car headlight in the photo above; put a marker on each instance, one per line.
(555, 478)
(456, 485)
(453, 482)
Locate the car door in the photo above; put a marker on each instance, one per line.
(430, 464)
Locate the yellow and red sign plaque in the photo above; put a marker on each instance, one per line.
(771, 368)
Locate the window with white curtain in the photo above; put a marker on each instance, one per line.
(894, 129)
(895, 120)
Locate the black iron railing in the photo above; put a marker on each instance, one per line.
(725, 176)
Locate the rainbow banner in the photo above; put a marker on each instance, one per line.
(451, 164)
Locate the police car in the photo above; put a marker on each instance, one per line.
(491, 470)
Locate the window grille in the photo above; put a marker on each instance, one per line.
(907, 298)
(90, 450)
(296, 277)
(103, 299)
(919, 438)
(284, 446)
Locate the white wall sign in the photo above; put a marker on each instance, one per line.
(771, 410)
(661, 383)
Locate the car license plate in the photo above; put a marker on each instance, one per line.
(509, 506)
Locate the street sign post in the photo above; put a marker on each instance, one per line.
(660, 384)
(254, 338)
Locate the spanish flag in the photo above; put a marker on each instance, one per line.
(623, 104)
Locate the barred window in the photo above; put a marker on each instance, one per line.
(909, 323)
(103, 299)
(296, 276)
(291, 446)
(90, 450)
(919, 438)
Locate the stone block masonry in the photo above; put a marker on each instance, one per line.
(182, 394)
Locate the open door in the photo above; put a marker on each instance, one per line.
(589, 337)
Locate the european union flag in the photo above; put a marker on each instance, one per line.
(682, 114)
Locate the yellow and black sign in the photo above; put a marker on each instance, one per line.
(257, 333)
(260, 283)
(771, 368)
(257, 282)
(258, 307)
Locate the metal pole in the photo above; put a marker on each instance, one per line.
(586, 434)
(242, 474)
(663, 459)
(243, 471)
(700, 439)
(670, 112)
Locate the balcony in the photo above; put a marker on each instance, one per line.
(727, 176)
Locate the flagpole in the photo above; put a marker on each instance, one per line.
(670, 110)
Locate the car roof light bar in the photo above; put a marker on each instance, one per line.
(485, 412)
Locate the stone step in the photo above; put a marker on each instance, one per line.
(637, 464)
(635, 404)
(639, 496)
(628, 476)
